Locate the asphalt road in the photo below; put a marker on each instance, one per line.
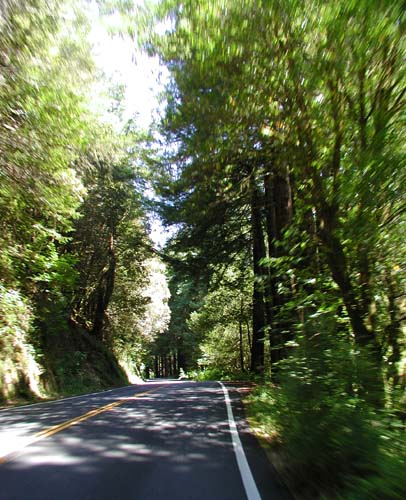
(161, 440)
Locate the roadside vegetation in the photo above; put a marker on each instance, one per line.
(279, 163)
(285, 176)
(76, 262)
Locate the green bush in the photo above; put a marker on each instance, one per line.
(207, 374)
(19, 371)
(332, 439)
(219, 374)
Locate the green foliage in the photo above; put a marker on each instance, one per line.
(309, 92)
(284, 175)
(185, 296)
(208, 374)
(16, 317)
(333, 441)
(78, 363)
(46, 69)
(139, 313)
(43, 116)
(73, 239)
(293, 112)
(19, 371)
(223, 323)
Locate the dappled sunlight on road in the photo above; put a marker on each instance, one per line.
(172, 434)
(19, 425)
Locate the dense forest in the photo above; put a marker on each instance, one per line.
(279, 163)
(77, 266)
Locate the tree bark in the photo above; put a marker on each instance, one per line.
(373, 389)
(258, 303)
(241, 345)
(104, 291)
(279, 209)
(393, 330)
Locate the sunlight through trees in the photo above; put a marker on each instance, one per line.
(277, 169)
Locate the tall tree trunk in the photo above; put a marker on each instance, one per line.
(241, 337)
(181, 359)
(156, 366)
(337, 262)
(247, 324)
(104, 291)
(279, 207)
(175, 365)
(393, 329)
(373, 389)
(258, 303)
(325, 200)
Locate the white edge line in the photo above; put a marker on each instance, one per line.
(246, 475)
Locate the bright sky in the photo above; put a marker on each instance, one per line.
(121, 62)
(140, 74)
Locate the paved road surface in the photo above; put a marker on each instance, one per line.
(161, 440)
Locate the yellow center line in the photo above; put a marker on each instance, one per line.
(69, 423)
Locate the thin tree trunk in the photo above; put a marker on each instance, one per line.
(175, 368)
(366, 339)
(393, 330)
(156, 366)
(247, 324)
(105, 291)
(258, 305)
(241, 344)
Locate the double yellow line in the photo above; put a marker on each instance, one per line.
(65, 425)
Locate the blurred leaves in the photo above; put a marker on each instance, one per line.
(315, 90)
(74, 238)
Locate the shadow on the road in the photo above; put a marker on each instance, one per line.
(163, 445)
